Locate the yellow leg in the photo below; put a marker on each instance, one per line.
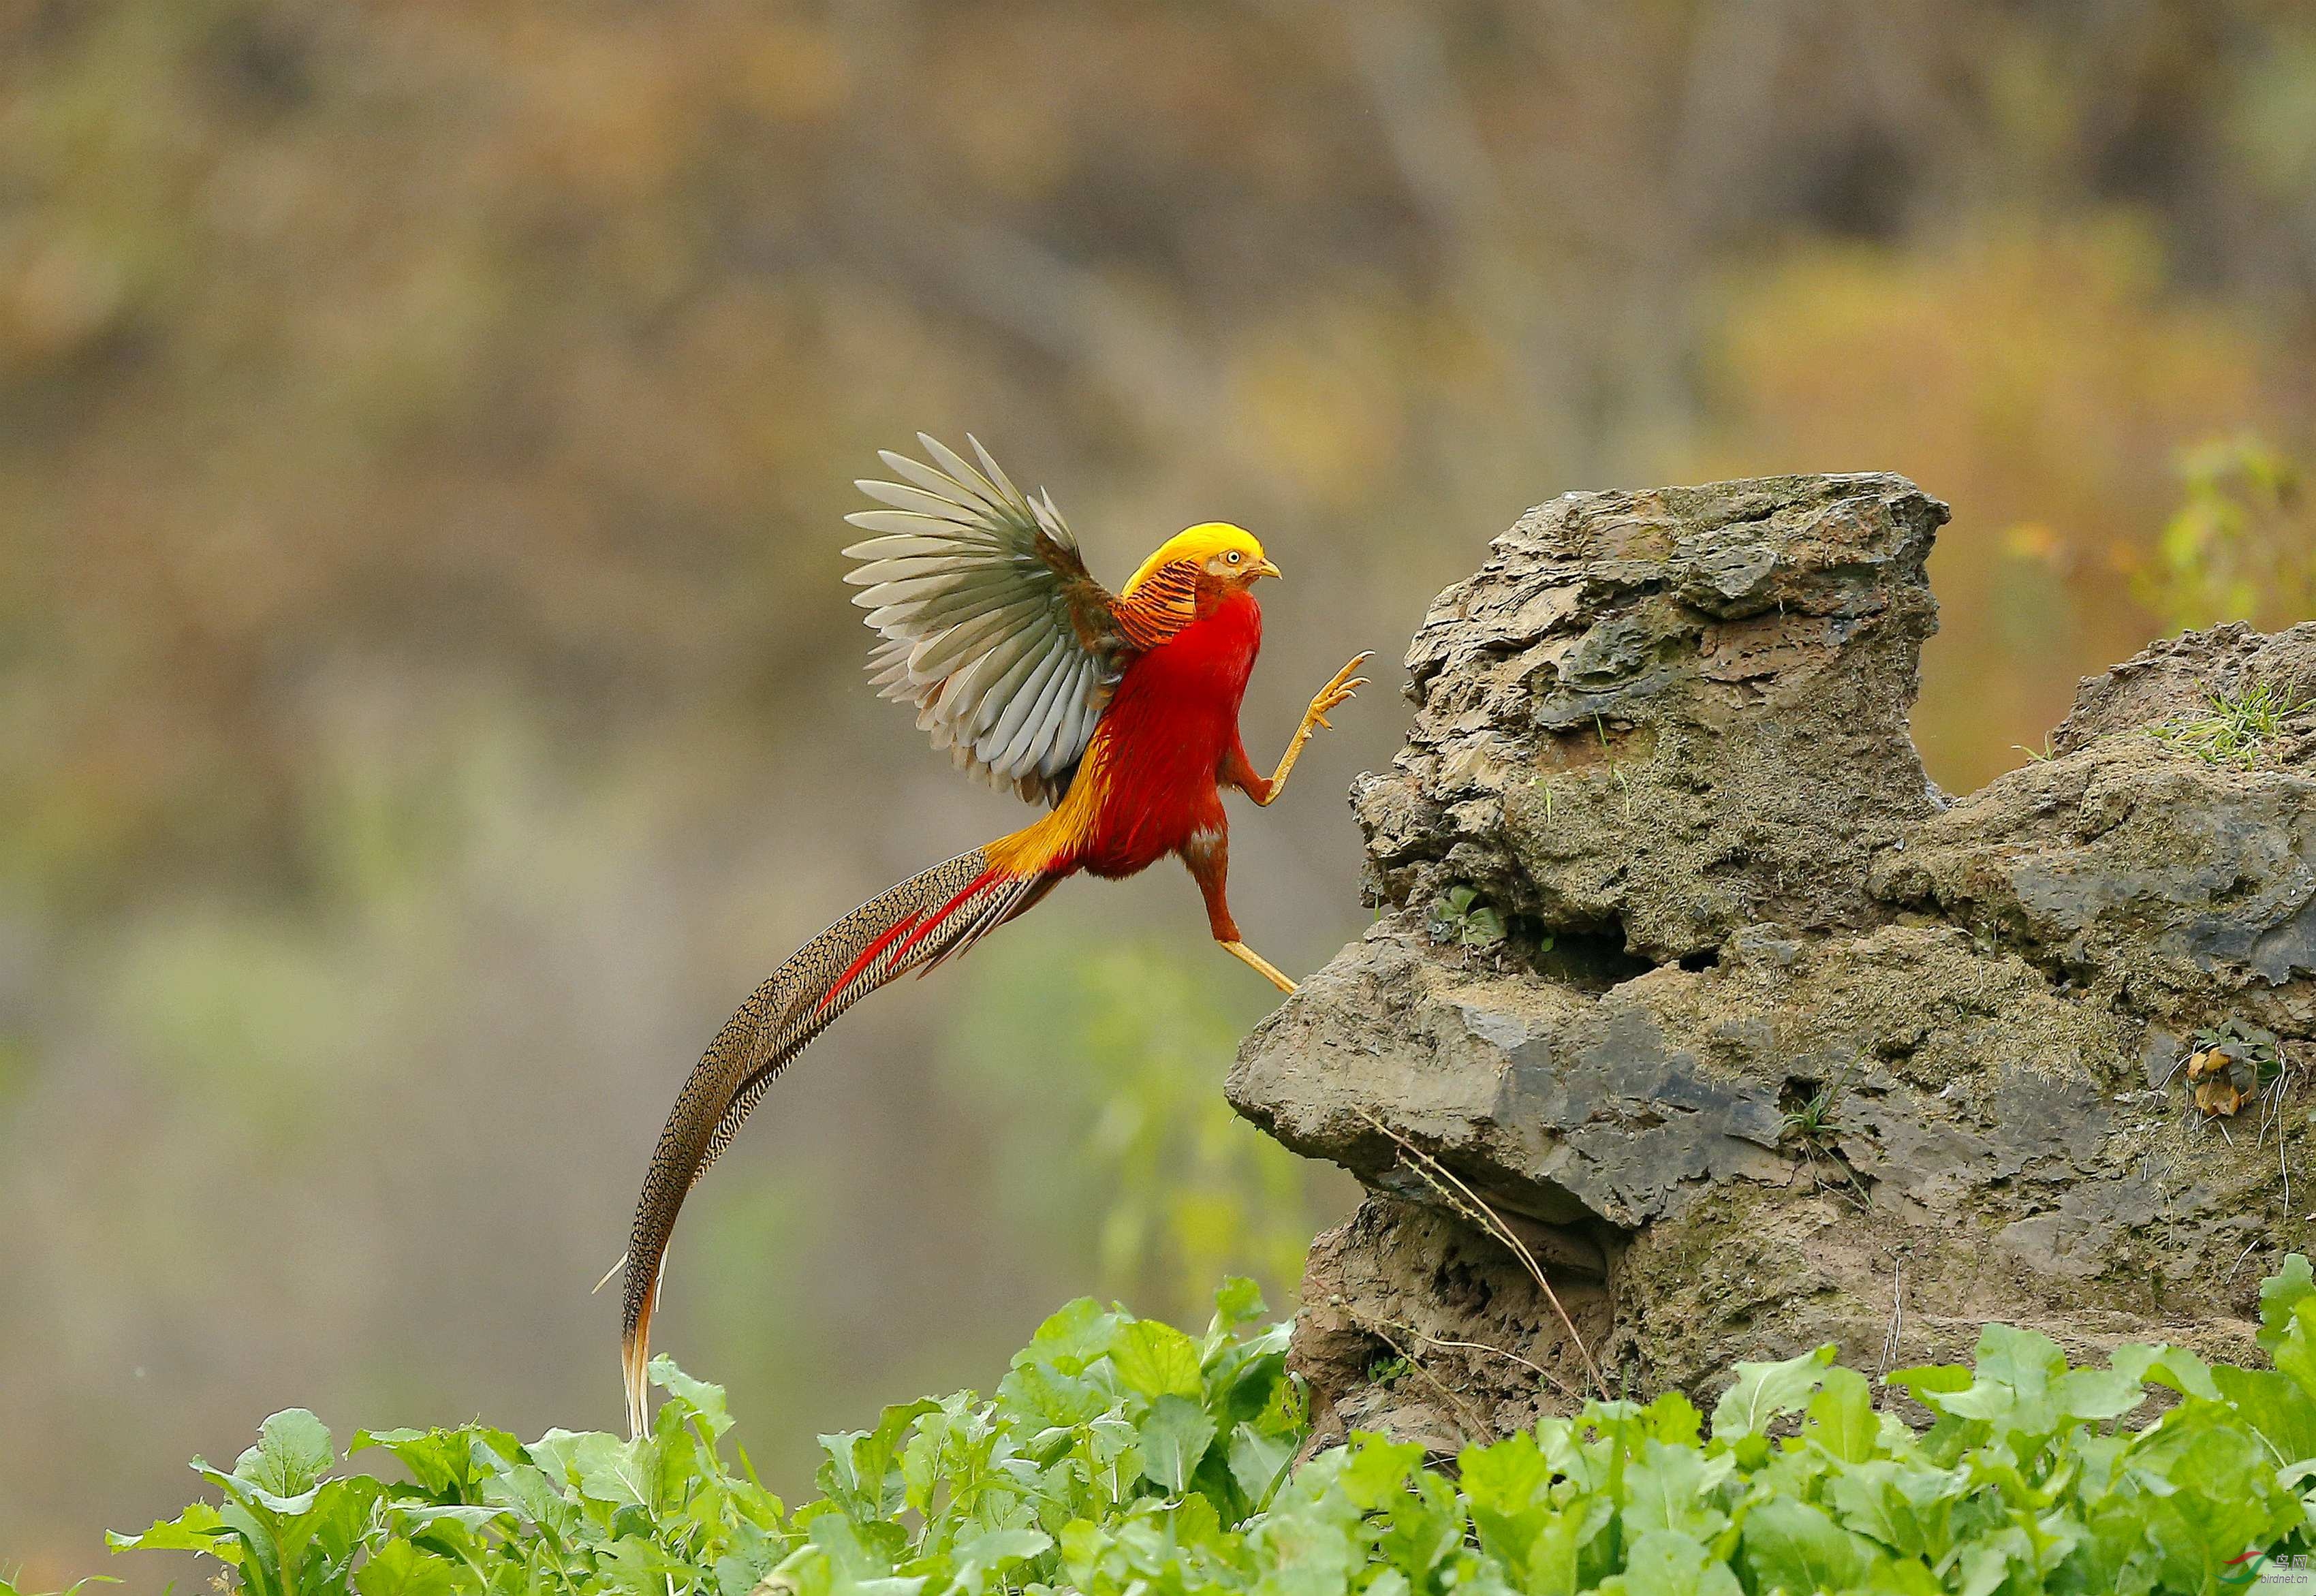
(1268, 970)
(1332, 697)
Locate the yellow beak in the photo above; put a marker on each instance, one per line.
(1263, 567)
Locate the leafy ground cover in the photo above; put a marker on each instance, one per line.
(1121, 1455)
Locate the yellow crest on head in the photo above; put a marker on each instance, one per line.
(1198, 545)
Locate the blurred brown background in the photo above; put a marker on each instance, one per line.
(428, 701)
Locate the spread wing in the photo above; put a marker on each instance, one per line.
(992, 625)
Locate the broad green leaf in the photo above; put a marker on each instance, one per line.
(863, 1472)
(260, 1567)
(1765, 1392)
(945, 1444)
(992, 1549)
(1865, 1497)
(1506, 1491)
(2279, 1295)
(1926, 1380)
(2295, 1348)
(1377, 1471)
(861, 1551)
(1663, 1563)
(1671, 1488)
(1903, 1578)
(638, 1567)
(1425, 1527)
(2096, 1393)
(2164, 1365)
(340, 1512)
(2023, 1387)
(1109, 1437)
(438, 1459)
(1842, 1416)
(2210, 1490)
(2197, 1543)
(2278, 1410)
(1174, 1438)
(415, 1517)
(551, 1453)
(400, 1569)
(1040, 1394)
(1156, 1360)
(1254, 1391)
(196, 1530)
(1258, 1461)
(702, 1398)
(1238, 1302)
(608, 1469)
(1071, 1337)
(1983, 1567)
(1195, 1522)
(1563, 1543)
(257, 1497)
(292, 1453)
(2023, 1360)
(738, 1574)
(1673, 1417)
(530, 1489)
(1793, 1545)
(1506, 1476)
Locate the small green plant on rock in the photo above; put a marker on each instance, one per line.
(2239, 727)
(1812, 1125)
(1463, 918)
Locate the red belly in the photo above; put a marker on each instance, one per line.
(1170, 723)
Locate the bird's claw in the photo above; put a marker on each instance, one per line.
(1340, 691)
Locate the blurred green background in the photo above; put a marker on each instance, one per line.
(428, 701)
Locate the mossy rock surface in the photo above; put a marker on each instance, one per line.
(1781, 1045)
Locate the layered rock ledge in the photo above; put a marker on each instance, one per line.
(1690, 983)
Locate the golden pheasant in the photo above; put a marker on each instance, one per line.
(1119, 710)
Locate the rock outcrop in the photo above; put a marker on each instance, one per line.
(1695, 1003)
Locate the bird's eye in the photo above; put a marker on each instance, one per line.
(1233, 557)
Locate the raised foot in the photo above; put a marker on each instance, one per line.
(1268, 970)
(1338, 691)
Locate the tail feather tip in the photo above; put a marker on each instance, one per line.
(634, 1361)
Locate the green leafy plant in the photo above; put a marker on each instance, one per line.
(1124, 1456)
(2238, 727)
(1463, 918)
(1103, 1419)
(1813, 1126)
(1387, 1371)
(1814, 1121)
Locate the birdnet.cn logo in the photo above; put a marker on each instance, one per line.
(2257, 1571)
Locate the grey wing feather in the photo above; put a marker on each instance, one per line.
(989, 623)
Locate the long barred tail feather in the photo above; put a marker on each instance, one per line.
(913, 926)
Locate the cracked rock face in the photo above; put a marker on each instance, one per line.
(1660, 718)
(1778, 1046)
(2179, 887)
